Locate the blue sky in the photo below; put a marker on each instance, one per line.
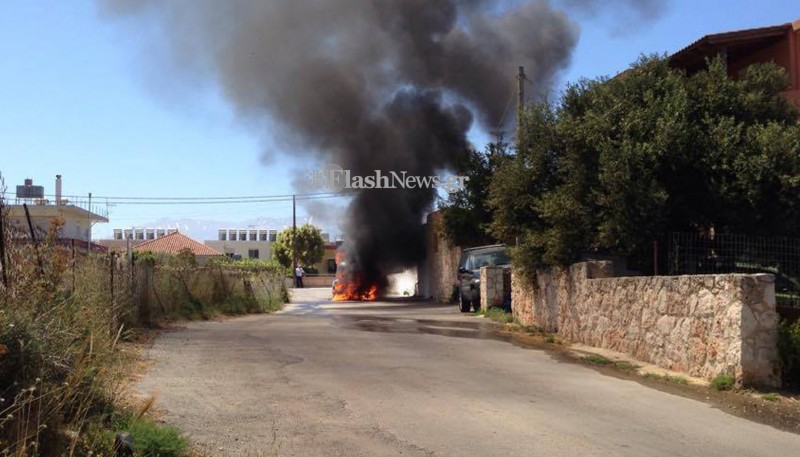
(77, 100)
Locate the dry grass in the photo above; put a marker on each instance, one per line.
(64, 360)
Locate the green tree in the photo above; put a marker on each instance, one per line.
(466, 212)
(619, 161)
(310, 246)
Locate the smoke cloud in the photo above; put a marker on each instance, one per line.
(391, 85)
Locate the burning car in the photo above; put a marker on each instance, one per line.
(350, 283)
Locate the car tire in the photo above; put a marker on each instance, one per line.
(464, 304)
(476, 304)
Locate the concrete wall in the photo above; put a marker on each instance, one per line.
(318, 281)
(703, 325)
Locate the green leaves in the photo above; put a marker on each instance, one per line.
(310, 246)
(618, 161)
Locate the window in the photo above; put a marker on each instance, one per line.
(253, 236)
(273, 235)
(331, 265)
(262, 236)
(223, 236)
(252, 253)
(242, 236)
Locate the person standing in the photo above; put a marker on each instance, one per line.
(298, 276)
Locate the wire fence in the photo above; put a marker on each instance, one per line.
(692, 253)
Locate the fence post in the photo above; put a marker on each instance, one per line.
(113, 318)
(3, 263)
(33, 237)
(74, 260)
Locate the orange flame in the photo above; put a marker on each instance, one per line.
(350, 286)
(354, 290)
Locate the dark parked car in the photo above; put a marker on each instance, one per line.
(468, 287)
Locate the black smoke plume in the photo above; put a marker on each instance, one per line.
(391, 85)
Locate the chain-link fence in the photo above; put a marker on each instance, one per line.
(692, 253)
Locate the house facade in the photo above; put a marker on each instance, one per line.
(75, 215)
(779, 44)
(247, 243)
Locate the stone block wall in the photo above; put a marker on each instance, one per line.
(492, 288)
(704, 325)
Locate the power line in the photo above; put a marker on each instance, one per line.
(117, 201)
(512, 92)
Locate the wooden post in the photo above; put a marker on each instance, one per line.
(520, 104)
(74, 259)
(3, 263)
(113, 318)
(33, 237)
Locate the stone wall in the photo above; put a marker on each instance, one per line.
(441, 266)
(492, 290)
(704, 325)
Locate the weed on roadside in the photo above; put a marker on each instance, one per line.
(771, 397)
(150, 438)
(680, 380)
(496, 315)
(596, 360)
(626, 366)
(722, 382)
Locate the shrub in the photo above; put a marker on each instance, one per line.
(789, 350)
(154, 440)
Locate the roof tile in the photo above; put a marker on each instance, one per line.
(174, 243)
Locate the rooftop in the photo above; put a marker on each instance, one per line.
(736, 44)
(174, 243)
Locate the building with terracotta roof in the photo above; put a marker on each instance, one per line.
(176, 242)
(779, 44)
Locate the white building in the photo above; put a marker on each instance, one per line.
(75, 217)
(142, 233)
(247, 243)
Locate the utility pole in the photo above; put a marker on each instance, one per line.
(520, 109)
(294, 235)
(520, 103)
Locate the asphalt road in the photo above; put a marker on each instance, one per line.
(418, 379)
